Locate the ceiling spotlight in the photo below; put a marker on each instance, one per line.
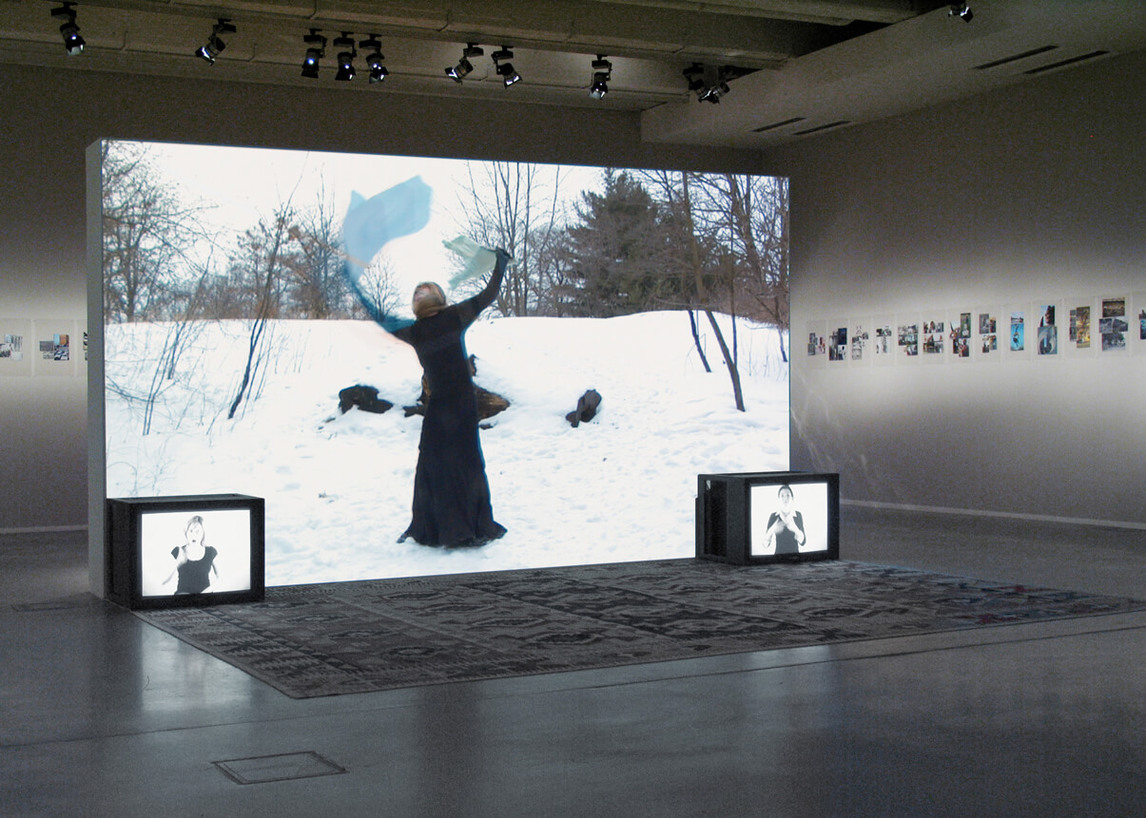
(505, 69)
(962, 11)
(458, 72)
(73, 42)
(602, 72)
(713, 93)
(707, 86)
(346, 57)
(374, 58)
(215, 44)
(315, 51)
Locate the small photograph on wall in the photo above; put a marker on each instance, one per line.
(14, 354)
(1140, 298)
(1113, 325)
(53, 353)
(57, 348)
(860, 342)
(987, 340)
(1048, 330)
(838, 343)
(1017, 331)
(907, 340)
(882, 341)
(934, 336)
(817, 344)
(12, 347)
(961, 340)
(1079, 328)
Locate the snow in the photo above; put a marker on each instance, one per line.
(338, 487)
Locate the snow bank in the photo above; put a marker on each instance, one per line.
(338, 487)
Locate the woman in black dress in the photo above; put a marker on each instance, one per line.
(194, 560)
(451, 493)
(786, 526)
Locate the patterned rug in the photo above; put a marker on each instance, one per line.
(357, 637)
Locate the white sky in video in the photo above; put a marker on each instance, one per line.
(243, 185)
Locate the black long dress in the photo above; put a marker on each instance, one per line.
(451, 493)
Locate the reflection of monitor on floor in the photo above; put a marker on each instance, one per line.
(767, 517)
(171, 551)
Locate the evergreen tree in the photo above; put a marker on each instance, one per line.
(617, 255)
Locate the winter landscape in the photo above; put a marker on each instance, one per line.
(237, 285)
(338, 486)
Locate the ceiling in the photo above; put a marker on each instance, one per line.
(792, 67)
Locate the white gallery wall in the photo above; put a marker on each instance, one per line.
(1030, 196)
(51, 116)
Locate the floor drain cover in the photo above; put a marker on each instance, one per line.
(283, 767)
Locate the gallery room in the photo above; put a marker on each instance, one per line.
(953, 330)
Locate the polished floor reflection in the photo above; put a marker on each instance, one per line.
(104, 715)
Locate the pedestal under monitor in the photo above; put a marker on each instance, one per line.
(188, 550)
(760, 517)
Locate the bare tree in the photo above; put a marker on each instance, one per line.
(147, 234)
(517, 206)
(267, 256)
(316, 287)
(180, 335)
(705, 298)
(750, 215)
(378, 288)
(699, 256)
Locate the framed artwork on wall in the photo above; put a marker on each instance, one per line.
(1138, 336)
(15, 353)
(987, 333)
(1079, 338)
(839, 352)
(817, 349)
(861, 342)
(1114, 324)
(933, 339)
(907, 341)
(1049, 314)
(56, 347)
(1018, 342)
(960, 337)
(883, 341)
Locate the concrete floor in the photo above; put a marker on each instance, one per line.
(102, 715)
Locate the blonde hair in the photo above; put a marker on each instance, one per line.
(196, 520)
(430, 304)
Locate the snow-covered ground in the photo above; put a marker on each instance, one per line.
(338, 487)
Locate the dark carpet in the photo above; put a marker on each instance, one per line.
(357, 637)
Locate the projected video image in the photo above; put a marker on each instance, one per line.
(258, 313)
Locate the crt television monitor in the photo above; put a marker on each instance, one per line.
(760, 517)
(180, 551)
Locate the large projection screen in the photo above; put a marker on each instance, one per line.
(229, 332)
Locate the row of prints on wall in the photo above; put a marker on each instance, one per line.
(48, 347)
(1039, 330)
